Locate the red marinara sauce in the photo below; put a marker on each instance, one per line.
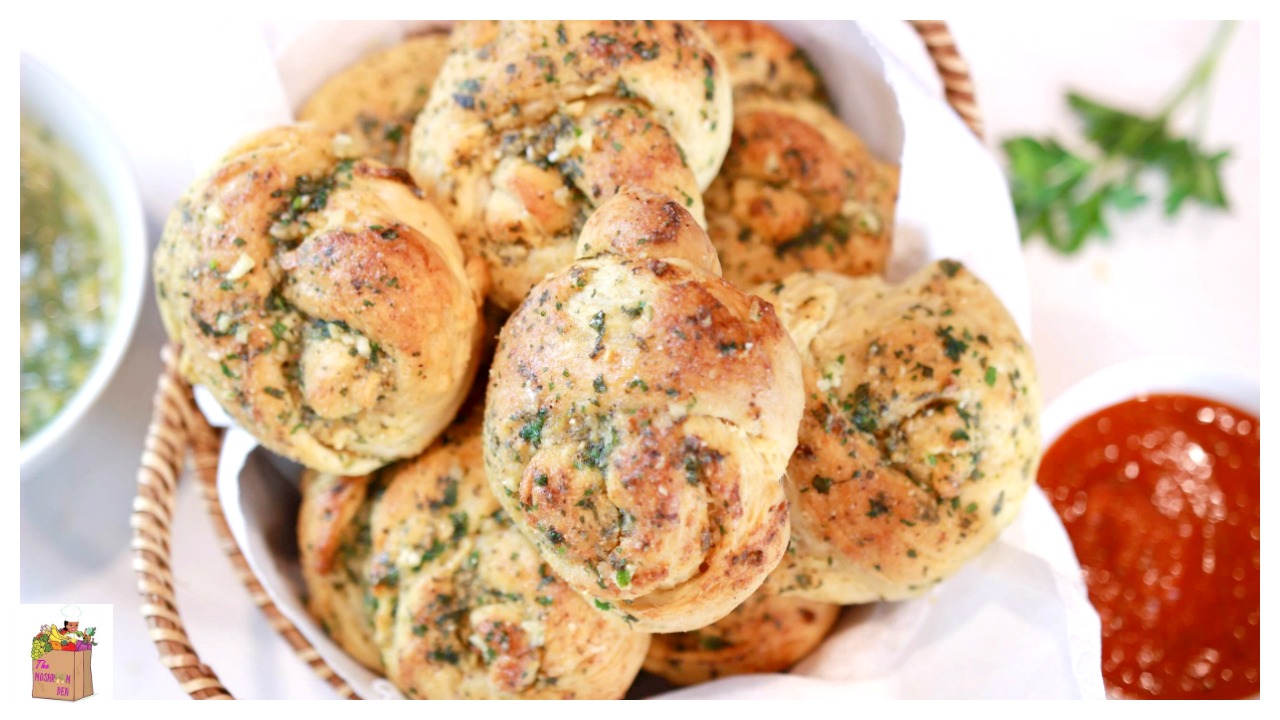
(1160, 497)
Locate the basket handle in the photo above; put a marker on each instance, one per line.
(954, 71)
(177, 425)
(169, 435)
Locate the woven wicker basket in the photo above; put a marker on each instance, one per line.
(177, 427)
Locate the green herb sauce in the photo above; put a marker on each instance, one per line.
(69, 275)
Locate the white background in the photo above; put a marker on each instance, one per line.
(1190, 288)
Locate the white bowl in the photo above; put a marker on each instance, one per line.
(1143, 376)
(48, 99)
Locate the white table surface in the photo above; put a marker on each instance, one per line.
(1190, 288)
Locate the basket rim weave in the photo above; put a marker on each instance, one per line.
(177, 428)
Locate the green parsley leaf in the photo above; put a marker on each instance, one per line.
(1067, 196)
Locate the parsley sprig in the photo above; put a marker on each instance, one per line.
(1066, 196)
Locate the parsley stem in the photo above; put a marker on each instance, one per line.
(1203, 69)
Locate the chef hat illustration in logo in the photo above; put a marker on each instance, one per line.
(70, 617)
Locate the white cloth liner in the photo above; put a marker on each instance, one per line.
(1015, 623)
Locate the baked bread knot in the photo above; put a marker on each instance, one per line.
(762, 60)
(765, 634)
(920, 435)
(371, 106)
(533, 124)
(799, 191)
(419, 574)
(639, 417)
(322, 301)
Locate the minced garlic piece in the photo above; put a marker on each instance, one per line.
(243, 265)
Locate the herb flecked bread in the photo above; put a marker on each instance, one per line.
(322, 301)
(762, 60)
(657, 450)
(639, 416)
(765, 634)
(533, 124)
(798, 190)
(375, 102)
(418, 573)
(920, 435)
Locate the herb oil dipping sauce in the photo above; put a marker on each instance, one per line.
(70, 274)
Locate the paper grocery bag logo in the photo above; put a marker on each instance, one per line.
(62, 659)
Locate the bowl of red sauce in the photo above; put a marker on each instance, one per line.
(1154, 467)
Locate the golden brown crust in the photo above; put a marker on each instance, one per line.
(375, 101)
(639, 416)
(920, 435)
(333, 541)
(647, 225)
(458, 603)
(762, 60)
(765, 634)
(309, 295)
(533, 124)
(799, 191)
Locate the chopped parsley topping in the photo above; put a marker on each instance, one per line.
(531, 432)
(810, 236)
(437, 548)
(712, 642)
(597, 324)
(450, 497)
(459, 521)
(446, 655)
(649, 52)
(692, 468)
(597, 452)
(864, 417)
(952, 346)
